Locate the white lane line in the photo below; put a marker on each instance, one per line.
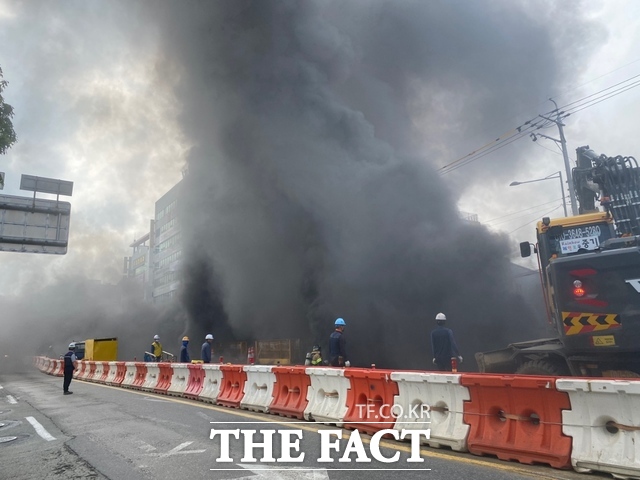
(11, 400)
(1, 387)
(40, 430)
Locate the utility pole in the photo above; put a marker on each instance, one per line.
(565, 155)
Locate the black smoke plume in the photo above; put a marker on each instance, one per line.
(308, 195)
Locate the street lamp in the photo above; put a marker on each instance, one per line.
(557, 174)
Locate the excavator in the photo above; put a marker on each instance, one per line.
(590, 273)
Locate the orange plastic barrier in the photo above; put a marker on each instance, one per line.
(195, 384)
(370, 400)
(121, 371)
(517, 418)
(164, 378)
(92, 371)
(105, 372)
(232, 387)
(141, 375)
(290, 392)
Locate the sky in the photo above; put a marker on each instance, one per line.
(315, 135)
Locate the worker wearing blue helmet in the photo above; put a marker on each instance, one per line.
(337, 347)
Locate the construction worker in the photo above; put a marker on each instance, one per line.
(443, 345)
(70, 364)
(184, 353)
(337, 347)
(205, 351)
(314, 357)
(156, 348)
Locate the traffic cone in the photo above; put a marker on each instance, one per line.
(251, 357)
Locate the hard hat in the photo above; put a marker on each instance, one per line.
(441, 316)
(340, 323)
(185, 339)
(72, 346)
(156, 337)
(208, 337)
(316, 348)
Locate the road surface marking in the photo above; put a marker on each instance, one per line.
(11, 400)
(40, 430)
(265, 472)
(454, 456)
(1, 387)
(176, 451)
(146, 447)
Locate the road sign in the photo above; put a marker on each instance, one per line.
(46, 185)
(34, 225)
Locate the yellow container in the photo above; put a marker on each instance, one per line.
(101, 349)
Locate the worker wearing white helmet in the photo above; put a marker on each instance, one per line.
(156, 348)
(70, 364)
(443, 345)
(206, 350)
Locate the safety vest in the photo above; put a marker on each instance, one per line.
(157, 349)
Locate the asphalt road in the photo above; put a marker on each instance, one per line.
(110, 432)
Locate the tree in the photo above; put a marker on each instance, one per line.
(7, 133)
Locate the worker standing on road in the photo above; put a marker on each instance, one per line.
(337, 346)
(205, 351)
(70, 364)
(184, 353)
(156, 348)
(443, 345)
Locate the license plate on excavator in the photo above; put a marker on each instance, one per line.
(603, 341)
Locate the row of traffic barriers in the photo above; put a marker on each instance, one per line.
(587, 424)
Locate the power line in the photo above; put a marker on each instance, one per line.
(513, 135)
(520, 211)
(573, 89)
(601, 91)
(603, 98)
(547, 148)
(529, 223)
(534, 124)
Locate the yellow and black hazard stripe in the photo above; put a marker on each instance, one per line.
(576, 322)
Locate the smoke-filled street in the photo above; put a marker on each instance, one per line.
(102, 432)
(341, 203)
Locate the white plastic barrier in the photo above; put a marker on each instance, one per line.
(153, 374)
(81, 374)
(53, 366)
(46, 366)
(98, 373)
(211, 383)
(327, 395)
(111, 376)
(179, 379)
(38, 362)
(258, 389)
(432, 401)
(130, 375)
(604, 423)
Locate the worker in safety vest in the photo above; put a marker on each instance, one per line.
(337, 346)
(156, 348)
(443, 345)
(314, 357)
